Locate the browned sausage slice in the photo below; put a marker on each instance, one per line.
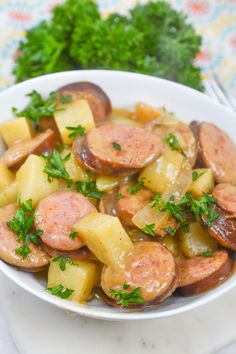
(199, 274)
(130, 204)
(183, 134)
(223, 228)
(81, 253)
(18, 153)
(225, 194)
(218, 152)
(37, 259)
(56, 215)
(97, 99)
(149, 266)
(118, 150)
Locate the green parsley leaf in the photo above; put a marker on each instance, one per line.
(65, 99)
(23, 251)
(76, 131)
(185, 228)
(60, 291)
(136, 187)
(37, 108)
(116, 146)
(149, 229)
(88, 189)
(125, 297)
(170, 230)
(196, 175)
(55, 166)
(62, 261)
(119, 196)
(173, 143)
(207, 254)
(73, 235)
(60, 147)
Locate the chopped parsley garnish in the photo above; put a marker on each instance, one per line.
(73, 235)
(60, 147)
(173, 143)
(185, 227)
(37, 108)
(149, 229)
(119, 196)
(21, 224)
(116, 146)
(88, 189)
(207, 254)
(136, 187)
(196, 175)
(55, 166)
(62, 261)
(169, 230)
(76, 131)
(60, 291)
(65, 99)
(125, 297)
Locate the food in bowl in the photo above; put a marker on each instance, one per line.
(128, 206)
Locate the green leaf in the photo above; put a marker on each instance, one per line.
(23, 251)
(73, 235)
(173, 143)
(60, 291)
(76, 131)
(119, 196)
(170, 230)
(62, 261)
(88, 189)
(125, 297)
(207, 254)
(116, 146)
(149, 229)
(196, 175)
(136, 187)
(55, 166)
(65, 99)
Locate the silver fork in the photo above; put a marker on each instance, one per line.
(215, 88)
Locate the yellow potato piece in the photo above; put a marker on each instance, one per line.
(33, 181)
(9, 194)
(105, 237)
(171, 244)
(6, 177)
(204, 184)
(196, 241)
(76, 172)
(106, 183)
(80, 277)
(72, 115)
(18, 129)
(162, 173)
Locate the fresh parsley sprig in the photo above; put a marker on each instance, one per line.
(63, 261)
(196, 175)
(79, 130)
(88, 189)
(174, 144)
(60, 291)
(136, 187)
(55, 166)
(125, 297)
(149, 229)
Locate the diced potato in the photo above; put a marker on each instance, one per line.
(76, 171)
(162, 173)
(72, 115)
(171, 244)
(203, 184)
(161, 220)
(196, 241)
(33, 181)
(80, 277)
(16, 130)
(146, 113)
(105, 237)
(106, 183)
(6, 177)
(121, 120)
(9, 195)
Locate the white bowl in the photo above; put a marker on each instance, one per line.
(125, 90)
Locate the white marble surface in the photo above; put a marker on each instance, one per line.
(38, 327)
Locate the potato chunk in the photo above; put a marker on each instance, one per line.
(196, 241)
(71, 115)
(106, 183)
(171, 244)
(76, 172)
(162, 173)
(80, 277)
(33, 181)
(203, 184)
(105, 237)
(9, 194)
(6, 177)
(18, 129)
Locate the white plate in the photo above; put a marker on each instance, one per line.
(124, 90)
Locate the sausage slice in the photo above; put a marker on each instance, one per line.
(18, 153)
(37, 259)
(56, 215)
(118, 149)
(199, 274)
(149, 266)
(218, 152)
(130, 204)
(97, 99)
(225, 194)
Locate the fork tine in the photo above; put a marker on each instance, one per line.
(225, 90)
(210, 91)
(218, 92)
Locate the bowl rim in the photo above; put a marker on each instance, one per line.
(96, 312)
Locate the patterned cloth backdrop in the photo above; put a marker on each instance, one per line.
(215, 20)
